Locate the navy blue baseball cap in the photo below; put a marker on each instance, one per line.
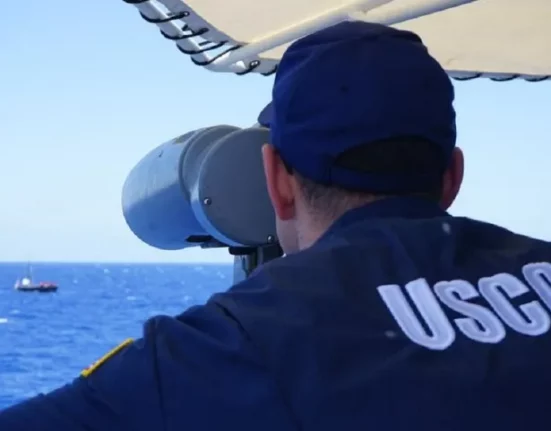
(353, 84)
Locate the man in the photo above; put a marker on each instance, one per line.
(385, 314)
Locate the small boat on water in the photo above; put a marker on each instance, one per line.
(26, 284)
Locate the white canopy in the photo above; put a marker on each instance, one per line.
(500, 39)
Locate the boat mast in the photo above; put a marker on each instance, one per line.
(29, 272)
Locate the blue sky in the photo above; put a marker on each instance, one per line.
(87, 88)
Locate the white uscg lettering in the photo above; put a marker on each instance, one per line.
(455, 294)
(480, 323)
(498, 289)
(420, 293)
(538, 276)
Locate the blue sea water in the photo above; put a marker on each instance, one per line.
(46, 339)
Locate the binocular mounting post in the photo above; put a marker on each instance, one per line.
(246, 260)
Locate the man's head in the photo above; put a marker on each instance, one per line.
(359, 112)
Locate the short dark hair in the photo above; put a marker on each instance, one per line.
(391, 156)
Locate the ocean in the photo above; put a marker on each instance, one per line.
(46, 339)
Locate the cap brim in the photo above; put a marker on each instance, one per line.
(265, 116)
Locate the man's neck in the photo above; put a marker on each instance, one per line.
(312, 228)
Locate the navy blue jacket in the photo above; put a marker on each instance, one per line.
(399, 318)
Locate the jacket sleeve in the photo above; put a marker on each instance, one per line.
(197, 371)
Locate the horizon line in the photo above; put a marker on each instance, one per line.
(112, 262)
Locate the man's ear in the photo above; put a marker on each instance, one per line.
(453, 178)
(279, 183)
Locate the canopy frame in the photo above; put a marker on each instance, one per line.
(212, 49)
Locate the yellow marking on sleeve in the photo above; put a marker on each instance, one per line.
(87, 371)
